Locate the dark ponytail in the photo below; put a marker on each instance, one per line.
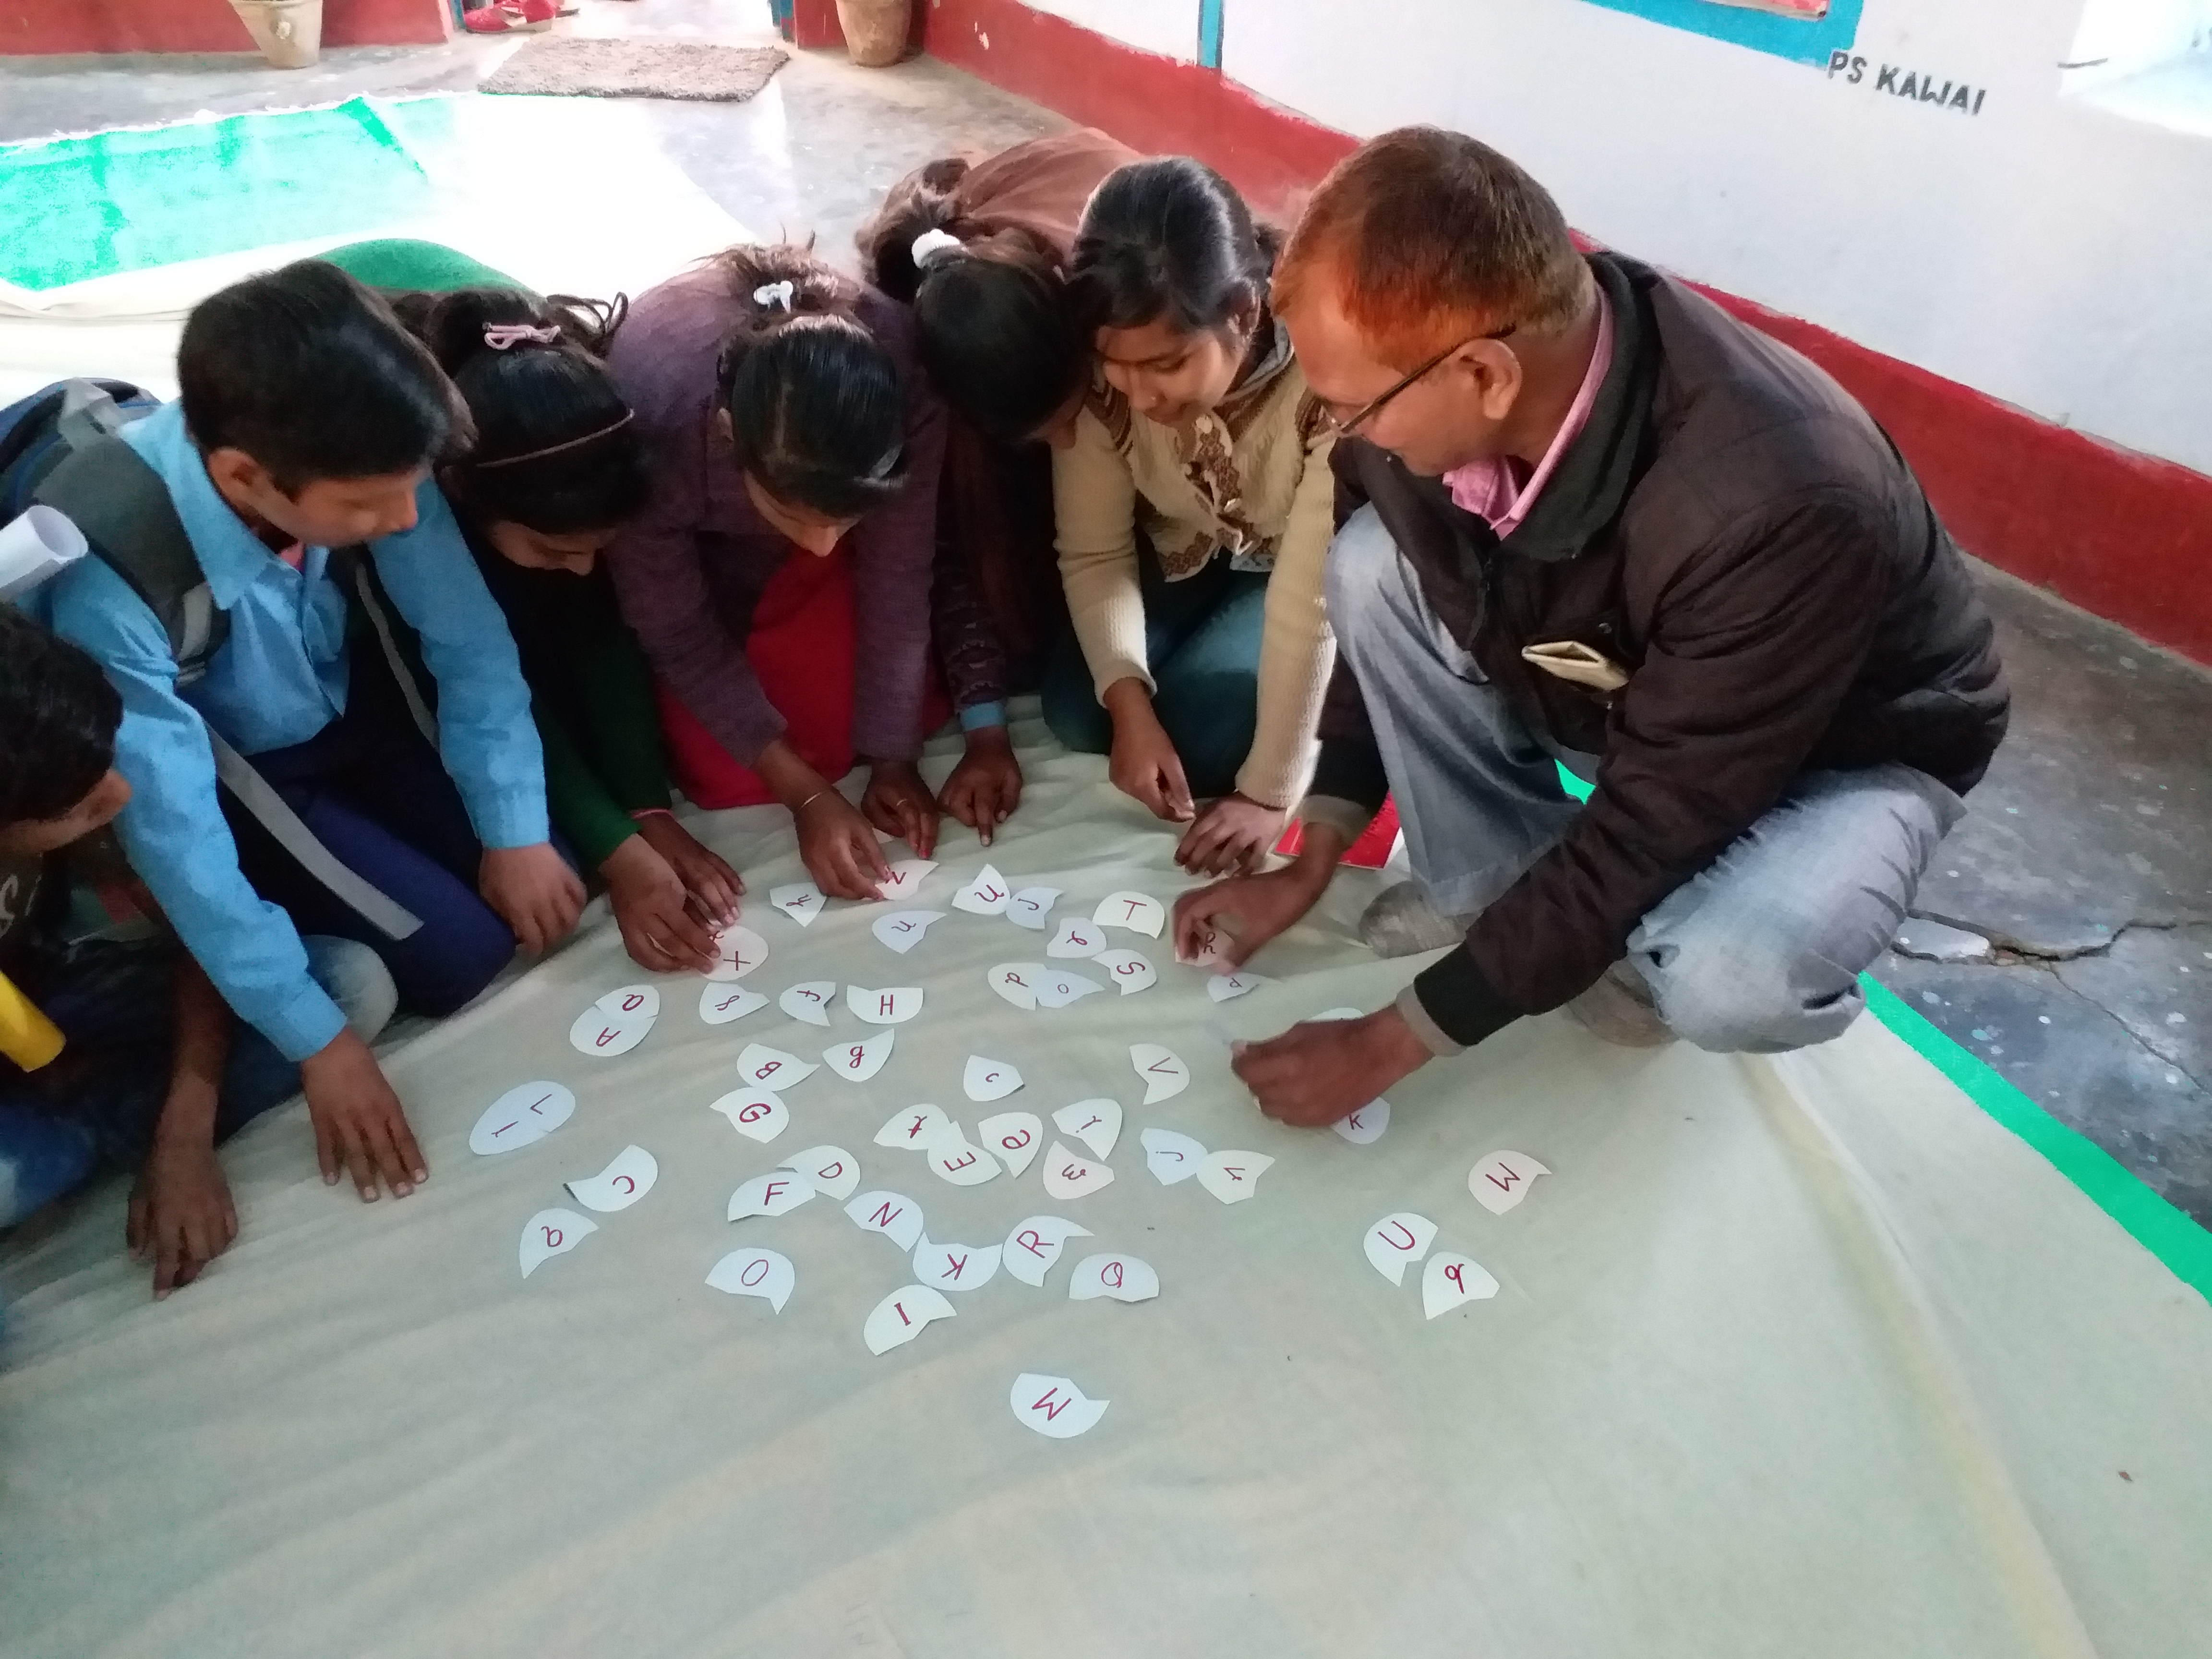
(813, 398)
(1169, 240)
(995, 334)
(557, 449)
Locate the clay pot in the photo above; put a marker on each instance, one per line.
(875, 30)
(289, 31)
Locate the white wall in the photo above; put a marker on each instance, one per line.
(2044, 252)
(2119, 37)
(1167, 27)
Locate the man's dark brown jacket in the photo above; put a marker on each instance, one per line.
(1738, 535)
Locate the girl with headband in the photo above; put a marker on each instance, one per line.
(780, 578)
(559, 467)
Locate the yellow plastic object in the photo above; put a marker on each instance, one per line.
(27, 1036)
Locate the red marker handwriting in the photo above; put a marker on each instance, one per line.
(606, 1036)
(1128, 968)
(1031, 1240)
(1075, 1172)
(540, 1101)
(1452, 1272)
(769, 1192)
(768, 1069)
(1384, 1233)
(756, 1271)
(1095, 1121)
(1506, 1185)
(955, 1264)
(899, 1308)
(1130, 907)
(1110, 1275)
(632, 1003)
(553, 1238)
(1016, 1141)
(953, 1166)
(1166, 1067)
(1045, 1405)
(886, 1005)
(884, 1216)
(753, 1111)
(625, 1183)
(831, 1173)
(857, 1057)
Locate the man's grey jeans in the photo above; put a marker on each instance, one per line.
(1759, 952)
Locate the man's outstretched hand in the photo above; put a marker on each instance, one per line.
(1313, 1075)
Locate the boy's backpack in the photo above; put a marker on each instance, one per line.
(62, 447)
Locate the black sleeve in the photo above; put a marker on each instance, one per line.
(1754, 645)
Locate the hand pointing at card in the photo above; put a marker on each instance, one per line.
(835, 842)
(1314, 1074)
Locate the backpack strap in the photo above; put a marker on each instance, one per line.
(124, 509)
(357, 573)
(121, 505)
(289, 831)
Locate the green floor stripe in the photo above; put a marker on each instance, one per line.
(115, 202)
(2167, 1233)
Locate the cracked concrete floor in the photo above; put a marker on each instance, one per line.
(2085, 857)
(2085, 861)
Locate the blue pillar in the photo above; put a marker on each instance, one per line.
(1209, 34)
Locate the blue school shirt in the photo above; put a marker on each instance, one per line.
(279, 678)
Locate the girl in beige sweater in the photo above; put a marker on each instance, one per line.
(1193, 512)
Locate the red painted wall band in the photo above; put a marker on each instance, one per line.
(42, 28)
(2121, 534)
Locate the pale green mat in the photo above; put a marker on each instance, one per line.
(1802, 1356)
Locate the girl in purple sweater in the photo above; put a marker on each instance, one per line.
(780, 579)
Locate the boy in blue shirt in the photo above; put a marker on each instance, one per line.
(309, 422)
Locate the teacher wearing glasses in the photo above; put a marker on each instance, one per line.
(1588, 519)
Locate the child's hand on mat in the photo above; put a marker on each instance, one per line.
(838, 848)
(985, 787)
(709, 880)
(898, 803)
(653, 910)
(1314, 1074)
(181, 1215)
(1144, 763)
(1233, 834)
(534, 891)
(361, 1128)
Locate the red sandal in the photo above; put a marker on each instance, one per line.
(512, 17)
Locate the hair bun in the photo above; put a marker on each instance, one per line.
(931, 243)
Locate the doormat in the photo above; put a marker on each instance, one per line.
(565, 67)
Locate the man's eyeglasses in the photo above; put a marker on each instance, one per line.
(1344, 428)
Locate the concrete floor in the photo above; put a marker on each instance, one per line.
(2065, 935)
